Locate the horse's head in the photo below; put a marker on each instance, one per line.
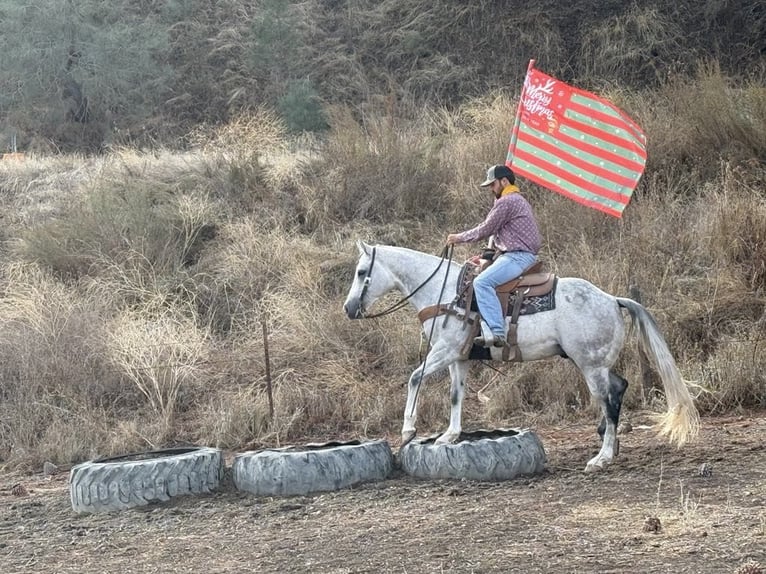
(372, 280)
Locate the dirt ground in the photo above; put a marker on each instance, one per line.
(652, 511)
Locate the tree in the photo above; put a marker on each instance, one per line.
(72, 70)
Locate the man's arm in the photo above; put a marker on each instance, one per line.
(495, 219)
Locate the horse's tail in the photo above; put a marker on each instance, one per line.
(681, 422)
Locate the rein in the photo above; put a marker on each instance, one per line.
(401, 303)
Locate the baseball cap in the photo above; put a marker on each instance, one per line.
(498, 172)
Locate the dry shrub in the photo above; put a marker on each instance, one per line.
(235, 419)
(246, 136)
(379, 170)
(406, 50)
(251, 260)
(727, 292)
(138, 221)
(548, 393)
(333, 401)
(708, 308)
(162, 355)
(735, 225)
(732, 375)
(140, 431)
(38, 427)
(68, 436)
(632, 47)
(162, 167)
(303, 330)
(318, 392)
(33, 189)
(130, 276)
(255, 168)
(727, 118)
(57, 393)
(694, 122)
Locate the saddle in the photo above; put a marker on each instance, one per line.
(529, 293)
(531, 283)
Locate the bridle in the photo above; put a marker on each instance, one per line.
(401, 303)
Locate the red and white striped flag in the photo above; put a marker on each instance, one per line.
(577, 144)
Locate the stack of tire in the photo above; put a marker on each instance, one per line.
(128, 481)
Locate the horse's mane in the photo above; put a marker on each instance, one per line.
(408, 251)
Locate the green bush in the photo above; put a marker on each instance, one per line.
(74, 71)
(301, 108)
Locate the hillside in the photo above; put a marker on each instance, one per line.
(91, 75)
(141, 285)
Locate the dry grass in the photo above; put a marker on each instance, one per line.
(379, 170)
(58, 398)
(635, 45)
(136, 285)
(161, 355)
(696, 121)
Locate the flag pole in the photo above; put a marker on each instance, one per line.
(517, 120)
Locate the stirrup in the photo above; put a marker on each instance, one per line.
(492, 342)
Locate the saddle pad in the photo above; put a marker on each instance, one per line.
(532, 305)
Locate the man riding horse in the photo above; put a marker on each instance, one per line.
(516, 238)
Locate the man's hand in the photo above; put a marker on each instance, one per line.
(452, 238)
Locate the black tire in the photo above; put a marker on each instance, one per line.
(131, 480)
(298, 470)
(487, 455)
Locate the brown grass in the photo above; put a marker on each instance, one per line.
(136, 285)
(635, 45)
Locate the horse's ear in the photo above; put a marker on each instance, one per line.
(364, 249)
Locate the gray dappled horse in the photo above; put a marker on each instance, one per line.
(586, 325)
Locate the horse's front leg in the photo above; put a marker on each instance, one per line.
(457, 373)
(411, 408)
(437, 359)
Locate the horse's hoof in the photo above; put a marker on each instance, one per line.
(448, 438)
(407, 437)
(596, 466)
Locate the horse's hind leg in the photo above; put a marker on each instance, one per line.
(617, 388)
(600, 383)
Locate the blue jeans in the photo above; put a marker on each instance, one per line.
(505, 268)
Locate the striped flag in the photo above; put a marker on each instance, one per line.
(575, 143)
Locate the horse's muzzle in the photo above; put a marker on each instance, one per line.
(353, 310)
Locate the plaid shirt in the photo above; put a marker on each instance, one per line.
(511, 222)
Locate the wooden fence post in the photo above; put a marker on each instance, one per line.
(268, 367)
